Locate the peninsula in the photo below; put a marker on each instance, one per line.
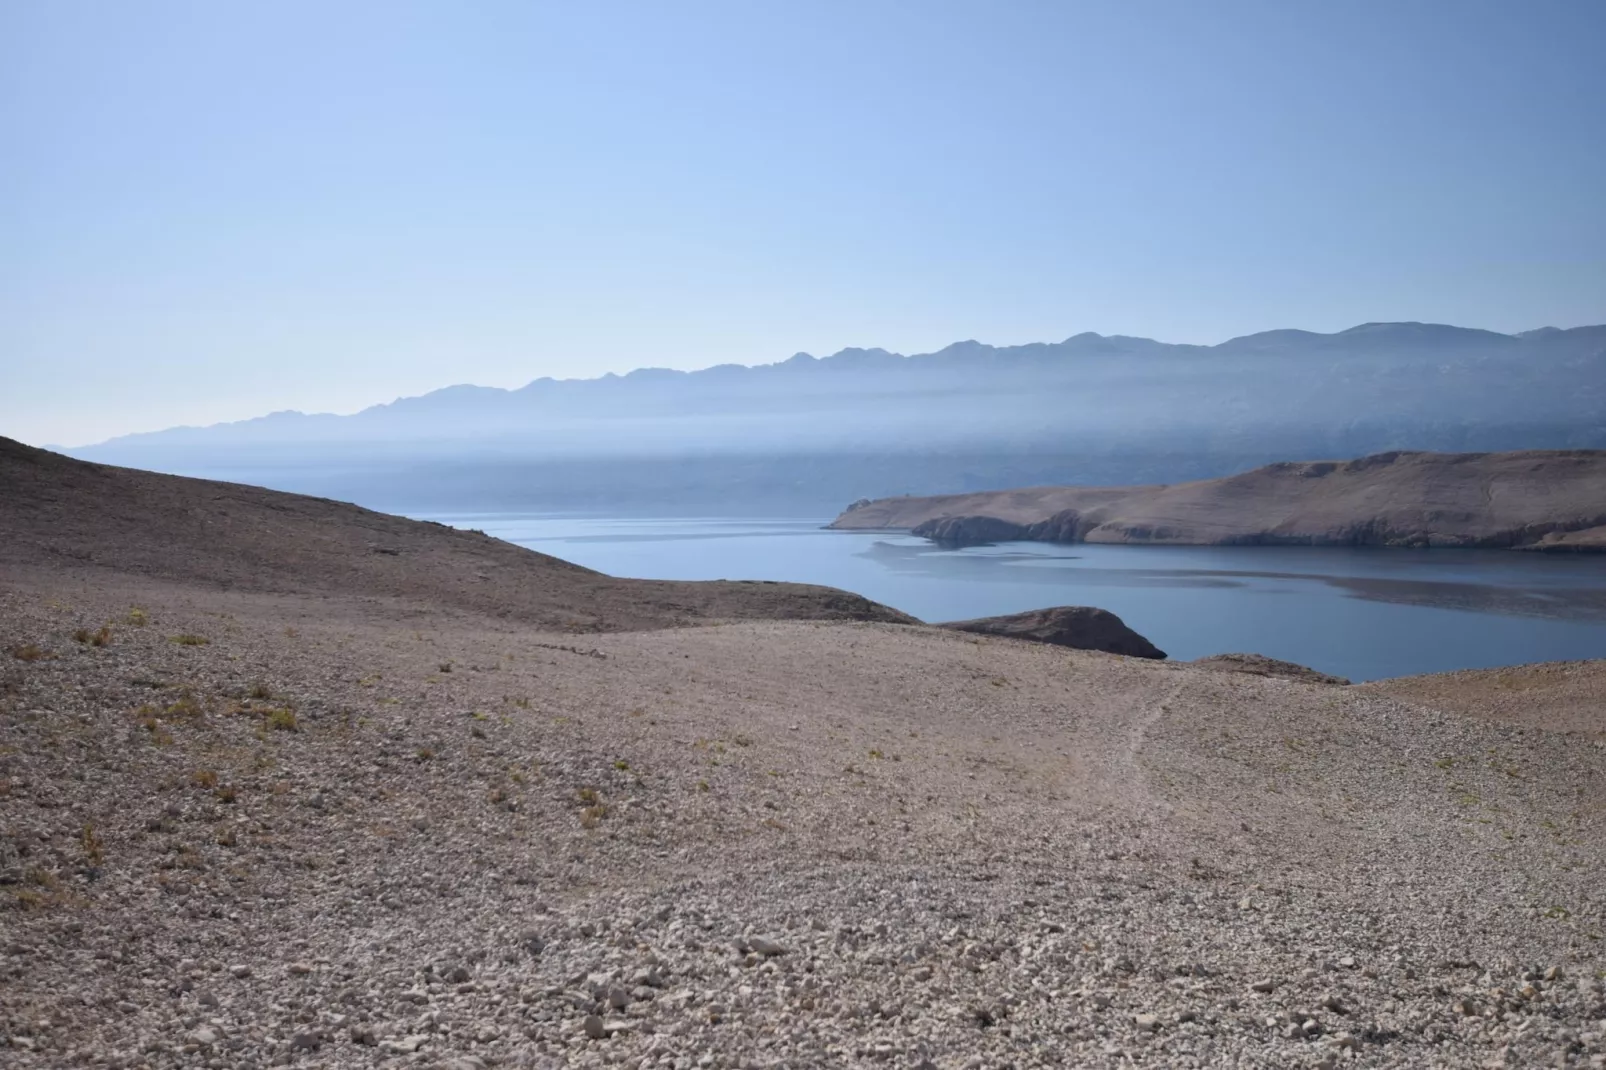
(1552, 500)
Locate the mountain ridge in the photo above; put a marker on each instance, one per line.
(1087, 343)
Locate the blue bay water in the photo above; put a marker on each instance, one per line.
(1360, 613)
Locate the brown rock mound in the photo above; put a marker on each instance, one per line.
(1260, 665)
(1078, 627)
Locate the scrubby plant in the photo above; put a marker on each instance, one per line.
(204, 778)
(260, 690)
(186, 705)
(28, 652)
(138, 617)
(94, 850)
(189, 639)
(283, 720)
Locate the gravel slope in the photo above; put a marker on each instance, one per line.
(290, 824)
(762, 844)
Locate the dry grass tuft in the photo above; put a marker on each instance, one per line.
(94, 849)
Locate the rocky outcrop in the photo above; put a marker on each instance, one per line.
(1260, 665)
(1547, 500)
(1078, 627)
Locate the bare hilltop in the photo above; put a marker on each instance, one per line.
(285, 782)
(1530, 500)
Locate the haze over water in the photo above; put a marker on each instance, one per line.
(1362, 613)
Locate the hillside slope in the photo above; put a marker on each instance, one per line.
(1536, 499)
(57, 511)
(270, 797)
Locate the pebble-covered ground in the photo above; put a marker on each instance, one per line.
(246, 830)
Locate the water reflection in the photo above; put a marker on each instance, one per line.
(1558, 590)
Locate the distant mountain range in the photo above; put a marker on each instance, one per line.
(867, 422)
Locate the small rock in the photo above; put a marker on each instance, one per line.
(308, 1041)
(362, 1034)
(593, 1027)
(618, 998)
(205, 1036)
(1147, 1023)
(300, 969)
(240, 972)
(766, 947)
(1263, 986)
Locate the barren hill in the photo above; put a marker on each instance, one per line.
(1533, 500)
(56, 510)
(271, 794)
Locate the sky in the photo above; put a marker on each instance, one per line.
(210, 211)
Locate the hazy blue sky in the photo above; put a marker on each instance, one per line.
(210, 210)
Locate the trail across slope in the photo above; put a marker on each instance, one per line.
(284, 820)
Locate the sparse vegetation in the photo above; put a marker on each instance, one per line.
(186, 705)
(260, 690)
(28, 652)
(138, 617)
(189, 639)
(94, 849)
(204, 778)
(283, 720)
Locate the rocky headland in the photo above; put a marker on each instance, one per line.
(1548, 500)
(284, 782)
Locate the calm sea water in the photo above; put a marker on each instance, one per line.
(1363, 614)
